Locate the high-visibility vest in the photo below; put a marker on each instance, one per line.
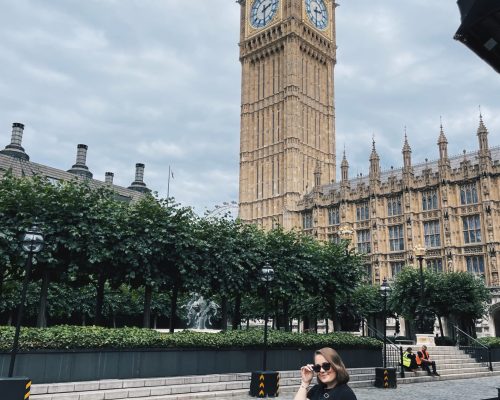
(406, 359)
(425, 355)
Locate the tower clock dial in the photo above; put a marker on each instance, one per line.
(317, 13)
(262, 12)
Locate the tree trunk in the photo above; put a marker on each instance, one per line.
(237, 312)
(440, 326)
(173, 307)
(307, 323)
(148, 294)
(285, 316)
(84, 319)
(42, 307)
(114, 319)
(315, 325)
(2, 273)
(98, 320)
(155, 321)
(248, 324)
(298, 324)
(223, 307)
(326, 325)
(9, 320)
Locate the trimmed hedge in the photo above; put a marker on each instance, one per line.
(492, 342)
(77, 337)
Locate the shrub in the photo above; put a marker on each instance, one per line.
(492, 342)
(77, 337)
(444, 341)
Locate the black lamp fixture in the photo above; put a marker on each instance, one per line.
(32, 243)
(266, 276)
(480, 29)
(385, 289)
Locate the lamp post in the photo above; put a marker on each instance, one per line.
(419, 254)
(267, 275)
(385, 290)
(32, 242)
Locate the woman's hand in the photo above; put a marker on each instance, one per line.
(307, 374)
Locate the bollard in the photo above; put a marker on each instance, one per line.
(385, 378)
(17, 388)
(265, 384)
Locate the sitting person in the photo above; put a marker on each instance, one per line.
(424, 361)
(410, 360)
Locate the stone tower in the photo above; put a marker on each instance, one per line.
(288, 55)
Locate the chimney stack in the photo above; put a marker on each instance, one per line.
(14, 149)
(80, 168)
(108, 178)
(138, 184)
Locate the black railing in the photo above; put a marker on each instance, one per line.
(473, 347)
(394, 355)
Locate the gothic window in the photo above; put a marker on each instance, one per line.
(432, 234)
(362, 212)
(335, 239)
(475, 265)
(396, 238)
(333, 216)
(307, 220)
(468, 194)
(472, 229)
(394, 206)
(396, 267)
(434, 264)
(368, 273)
(364, 241)
(429, 200)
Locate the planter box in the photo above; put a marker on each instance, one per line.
(49, 366)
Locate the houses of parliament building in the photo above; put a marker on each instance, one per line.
(451, 206)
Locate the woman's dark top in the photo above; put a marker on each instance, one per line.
(341, 392)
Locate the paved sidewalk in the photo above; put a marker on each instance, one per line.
(470, 389)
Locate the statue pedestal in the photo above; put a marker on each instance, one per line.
(425, 338)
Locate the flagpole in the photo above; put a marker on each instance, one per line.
(168, 184)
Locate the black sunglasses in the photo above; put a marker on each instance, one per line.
(326, 367)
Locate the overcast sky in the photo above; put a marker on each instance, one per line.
(158, 82)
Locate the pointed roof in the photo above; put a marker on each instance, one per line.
(406, 146)
(481, 128)
(374, 154)
(344, 161)
(442, 136)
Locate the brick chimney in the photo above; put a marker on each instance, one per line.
(108, 178)
(138, 184)
(80, 168)
(14, 149)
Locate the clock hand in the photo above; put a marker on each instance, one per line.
(316, 11)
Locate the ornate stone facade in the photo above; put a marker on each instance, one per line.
(450, 206)
(287, 112)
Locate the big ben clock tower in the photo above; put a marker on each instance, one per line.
(287, 142)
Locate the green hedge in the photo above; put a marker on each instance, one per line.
(77, 337)
(492, 342)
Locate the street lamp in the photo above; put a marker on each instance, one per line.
(419, 254)
(385, 290)
(267, 275)
(32, 242)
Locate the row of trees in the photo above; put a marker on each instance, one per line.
(97, 247)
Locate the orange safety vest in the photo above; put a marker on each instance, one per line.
(425, 356)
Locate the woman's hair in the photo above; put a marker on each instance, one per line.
(334, 359)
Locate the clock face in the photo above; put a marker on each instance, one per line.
(262, 12)
(317, 13)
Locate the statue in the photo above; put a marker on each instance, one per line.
(200, 312)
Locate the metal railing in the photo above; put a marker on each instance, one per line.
(394, 353)
(473, 347)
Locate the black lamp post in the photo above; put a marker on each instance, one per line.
(267, 275)
(419, 254)
(385, 290)
(32, 243)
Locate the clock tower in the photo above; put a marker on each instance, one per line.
(287, 138)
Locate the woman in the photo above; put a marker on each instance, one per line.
(332, 378)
